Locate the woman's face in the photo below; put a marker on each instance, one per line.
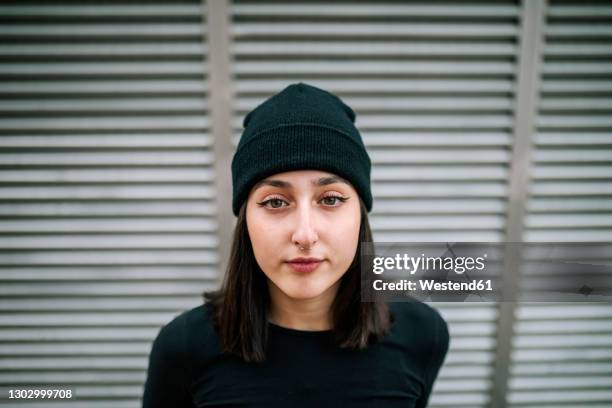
(313, 209)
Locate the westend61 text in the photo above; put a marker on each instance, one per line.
(431, 285)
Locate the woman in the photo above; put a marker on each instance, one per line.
(288, 328)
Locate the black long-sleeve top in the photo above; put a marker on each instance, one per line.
(302, 368)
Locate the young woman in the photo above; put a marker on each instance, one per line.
(288, 328)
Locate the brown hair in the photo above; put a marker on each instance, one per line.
(240, 307)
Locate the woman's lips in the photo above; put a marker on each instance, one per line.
(304, 266)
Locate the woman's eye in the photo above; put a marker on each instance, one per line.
(275, 203)
(334, 199)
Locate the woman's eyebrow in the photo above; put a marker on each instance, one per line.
(323, 181)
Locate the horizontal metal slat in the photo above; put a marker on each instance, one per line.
(562, 368)
(575, 341)
(577, 49)
(117, 29)
(372, 30)
(55, 334)
(440, 236)
(81, 69)
(482, 205)
(86, 319)
(360, 10)
(119, 176)
(104, 87)
(68, 377)
(578, 188)
(463, 385)
(105, 257)
(362, 48)
(552, 220)
(107, 159)
(573, 138)
(36, 348)
(562, 235)
(409, 103)
(441, 189)
(383, 86)
(563, 311)
(114, 192)
(109, 241)
(569, 204)
(566, 69)
(573, 121)
(561, 383)
(439, 156)
(383, 173)
(107, 207)
(574, 31)
(170, 303)
(250, 68)
(551, 354)
(559, 10)
(572, 155)
(86, 105)
(579, 105)
(586, 172)
(560, 396)
(83, 123)
(373, 139)
(580, 85)
(437, 222)
(456, 399)
(102, 141)
(137, 50)
(73, 363)
(103, 10)
(191, 287)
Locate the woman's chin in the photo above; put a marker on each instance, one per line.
(303, 293)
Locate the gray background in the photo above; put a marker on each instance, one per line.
(485, 121)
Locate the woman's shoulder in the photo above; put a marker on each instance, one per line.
(188, 331)
(418, 320)
(198, 318)
(416, 310)
(186, 321)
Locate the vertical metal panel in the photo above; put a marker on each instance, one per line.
(108, 224)
(526, 101)
(218, 23)
(433, 87)
(562, 352)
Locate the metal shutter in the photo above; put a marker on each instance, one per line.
(108, 223)
(562, 352)
(433, 88)
(108, 180)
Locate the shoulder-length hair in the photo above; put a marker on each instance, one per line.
(240, 306)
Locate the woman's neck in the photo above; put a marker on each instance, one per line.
(312, 314)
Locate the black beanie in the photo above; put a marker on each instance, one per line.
(301, 127)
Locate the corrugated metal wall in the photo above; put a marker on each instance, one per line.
(112, 166)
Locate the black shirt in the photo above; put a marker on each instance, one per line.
(302, 369)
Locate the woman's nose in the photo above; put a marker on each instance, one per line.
(305, 233)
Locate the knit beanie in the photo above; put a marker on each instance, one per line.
(301, 127)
